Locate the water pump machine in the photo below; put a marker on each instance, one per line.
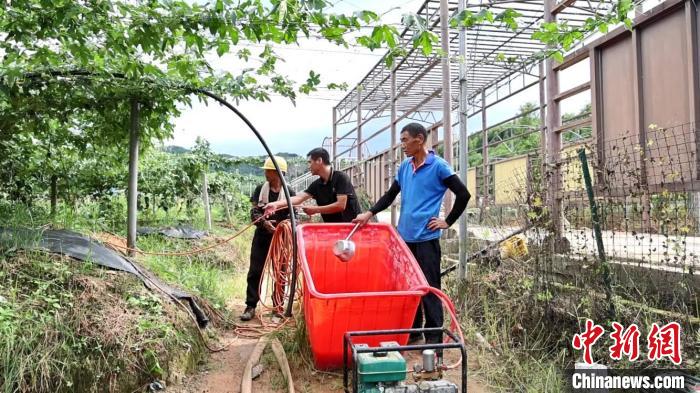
(383, 369)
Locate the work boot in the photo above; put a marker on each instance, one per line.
(248, 314)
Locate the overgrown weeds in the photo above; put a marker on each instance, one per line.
(520, 327)
(70, 326)
(217, 275)
(512, 348)
(67, 326)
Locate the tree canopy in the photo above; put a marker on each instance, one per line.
(69, 69)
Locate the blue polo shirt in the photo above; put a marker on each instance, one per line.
(422, 191)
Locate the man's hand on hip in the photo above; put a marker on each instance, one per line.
(437, 223)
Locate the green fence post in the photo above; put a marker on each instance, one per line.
(604, 267)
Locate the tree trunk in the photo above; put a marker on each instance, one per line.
(54, 195)
(205, 199)
(133, 176)
(228, 212)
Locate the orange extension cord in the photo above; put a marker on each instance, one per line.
(278, 268)
(189, 252)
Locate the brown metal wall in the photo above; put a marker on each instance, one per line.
(664, 71)
(617, 109)
(666, 93)
(645, 84)
(617, 85)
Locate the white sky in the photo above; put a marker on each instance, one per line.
(287, 128)
(298, 129)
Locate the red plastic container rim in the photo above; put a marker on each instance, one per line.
(327, 296)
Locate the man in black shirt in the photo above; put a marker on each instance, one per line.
(267, 192)
(333, 192)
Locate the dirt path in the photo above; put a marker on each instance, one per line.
(223, 372)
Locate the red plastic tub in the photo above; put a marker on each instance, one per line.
(377, 289)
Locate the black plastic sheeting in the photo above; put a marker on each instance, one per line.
(83, 248)
(177, 232)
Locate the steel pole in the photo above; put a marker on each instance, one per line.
(463, 142)
(446, 96)
(392, 149)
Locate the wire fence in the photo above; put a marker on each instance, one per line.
(645, 191)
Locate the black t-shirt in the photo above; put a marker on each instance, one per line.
(272, 196)
(327, 193)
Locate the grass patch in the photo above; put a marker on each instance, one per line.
(272, 370)
(520, 326)
(511, 348)
(107, 214)
(217, 275)
(67, 326)
(295, 341)
(307, 379)
(513, 360)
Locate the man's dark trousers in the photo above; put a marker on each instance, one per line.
(258, 254)
(428, 255)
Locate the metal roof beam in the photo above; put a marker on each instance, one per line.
(560, 6)
(403, 91)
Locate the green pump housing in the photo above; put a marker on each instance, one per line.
(385, 367)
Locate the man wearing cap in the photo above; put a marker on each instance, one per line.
(270, 191)
(334, 194)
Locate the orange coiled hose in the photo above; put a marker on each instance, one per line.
(278, 268)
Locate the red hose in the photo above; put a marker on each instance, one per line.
(454, 323)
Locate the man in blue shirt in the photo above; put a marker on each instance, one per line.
(422, 180)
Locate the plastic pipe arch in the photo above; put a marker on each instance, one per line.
(292, 219)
